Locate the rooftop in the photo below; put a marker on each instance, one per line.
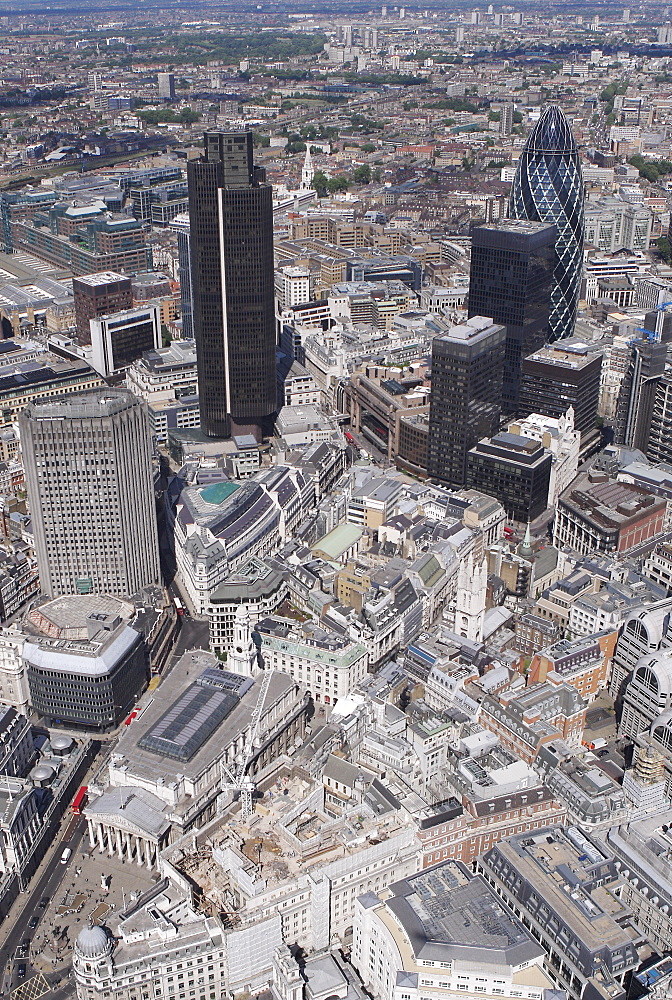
(447, 914)
(101, 278)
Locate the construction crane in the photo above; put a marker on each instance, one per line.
(236, 781)
(653, 334)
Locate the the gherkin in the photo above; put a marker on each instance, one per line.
(548, 187)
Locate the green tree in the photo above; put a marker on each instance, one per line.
(335, 184)
(368, 147)
(664, 248)
(362, 175)
(320, 183)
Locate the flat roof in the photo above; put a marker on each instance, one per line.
(101, 278)
(447, 913)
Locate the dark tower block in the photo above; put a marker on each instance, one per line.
(231, 237)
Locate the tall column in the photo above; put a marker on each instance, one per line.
(117, 835)
(101, 842)
(140, 845)
(150, 854)
(92, 835)
(128, 845)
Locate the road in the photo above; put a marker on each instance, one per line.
(45, 885)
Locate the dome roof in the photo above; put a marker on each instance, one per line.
(42, 772)
(93, 942)
(61, 742)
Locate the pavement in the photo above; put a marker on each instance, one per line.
(84, 897)
(45, 883)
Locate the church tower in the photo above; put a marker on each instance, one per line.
(308, 172)
(242, 655)
(472, 583)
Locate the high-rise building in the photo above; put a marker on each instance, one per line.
(231, 236)
(548, 187)
(180, 225)
(561, 376)
(121, 338)
(511, 279)
(167, 86)
(506, 118)
(88, 464)
(636, 398)
(515, 470)
(660, 434)
(99, 295)
(465, 402)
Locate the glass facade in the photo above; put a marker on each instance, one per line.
(465, 403)
(511, 280)
(548, 187)
(233, 316)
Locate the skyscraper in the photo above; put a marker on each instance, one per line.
(180, 225)
(231, 236)
(88, 465)
(166, 83)
(465, 401)
(511, 280)
(548, 187)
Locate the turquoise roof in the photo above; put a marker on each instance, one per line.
(218, 492)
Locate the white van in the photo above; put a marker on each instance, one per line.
(66, 855)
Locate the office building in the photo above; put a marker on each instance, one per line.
(180, 225)
(557, 882)
(123, 337)
(86, 683)
(444, 932)
(659, 444)
(613, 225)
(465, 403)
(98, 243)
(560, 438)
(88, 468)
(99, 295)
(231, 237)
(151, 939)
(548, 187)
(600, 514)
(167, 86)
(557, 377)
(514, 469)
(50, 376)
(637, 395)
(511, 280)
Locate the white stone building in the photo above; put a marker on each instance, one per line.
(560, 438)
(444, 932)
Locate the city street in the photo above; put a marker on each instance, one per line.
(46, 885)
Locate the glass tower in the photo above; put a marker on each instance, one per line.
(511, 280)
(548, 187)
(233, 313)
(466, 397)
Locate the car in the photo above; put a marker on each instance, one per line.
(602, 753)
(22, 970)
(33, 922)
(25, 944)
(43, 903)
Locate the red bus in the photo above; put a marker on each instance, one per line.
(179, 606)
(79, 800)
(129, 720)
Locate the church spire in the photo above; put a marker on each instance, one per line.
(308, 172)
